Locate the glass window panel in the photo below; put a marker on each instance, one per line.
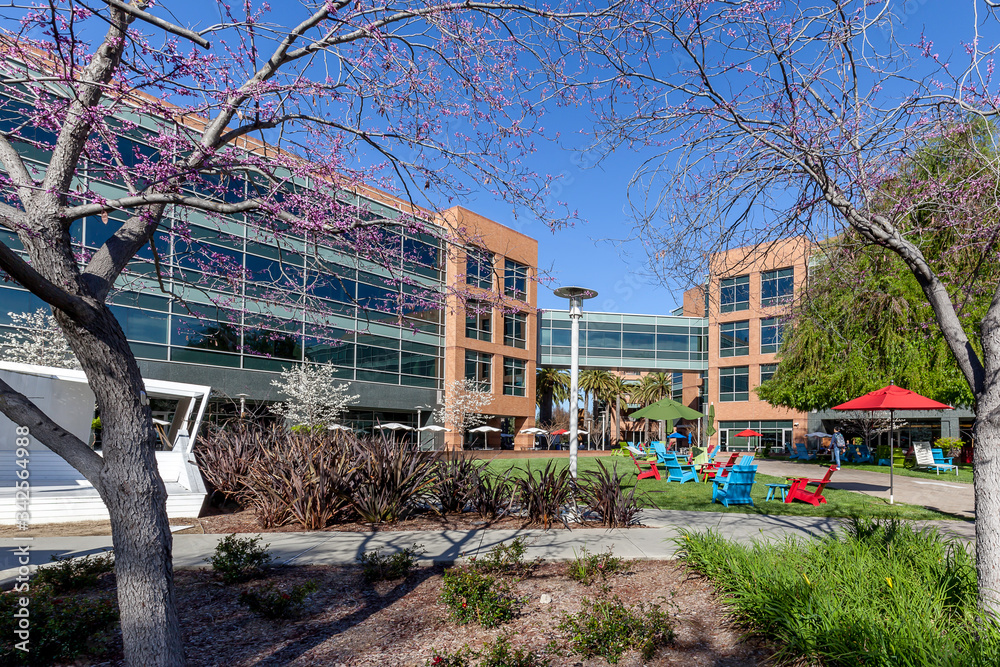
(777, 287)
(326, 351)
(734, 294)
(204, 334)
(479, 369)
(142, 326)
(195, 356)
(772, 332)
(479, 268)
(604, 339)
(638, 341)
(734, 338)
(377, 358)
(513, 377)
(561, 337)
(767, 371)
(734, 384)
(418, 364)
(478, 320)
(515, 327)
(515, 280)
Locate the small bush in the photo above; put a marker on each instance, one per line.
(603, 493)
(504, 558)
(455, 482)
(73, 574)
(459, 658)
(501, 654)
(377, 567)
(62, 629)
(272, 603)
(587, 567)
(390, 478)
(543, 495)
(607, 628)
(494, 495)
(473, 596)
(239, 559)
(227, 455)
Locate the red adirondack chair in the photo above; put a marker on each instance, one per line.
(709, 468)
(653, 470)
(798, 490)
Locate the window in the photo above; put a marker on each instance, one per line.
(767, 372)
(478, 320)
(772, 331)
(734, 294)
(734, 338)
(515, 330)
(479, 268)
(513, 377)
(515, 280)
(478, 369)
(776, 286)
(734, 384)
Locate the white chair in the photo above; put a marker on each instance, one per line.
(925, 459)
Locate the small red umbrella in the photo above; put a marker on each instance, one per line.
(561, 431)
(748, 433)
(892, 398)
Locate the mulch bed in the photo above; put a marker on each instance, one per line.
(348, 623)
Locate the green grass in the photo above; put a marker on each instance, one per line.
(697, 497)
(877, 593)
(964, 471)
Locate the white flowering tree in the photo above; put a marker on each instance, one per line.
(37, 339)
(315, 396)
(464, 402)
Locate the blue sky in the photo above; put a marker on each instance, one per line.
(587, 254)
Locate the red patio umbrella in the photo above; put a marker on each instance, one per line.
(749, 433)
(892, 398)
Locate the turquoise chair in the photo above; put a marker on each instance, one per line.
(677, 472)
(735, 488)
(940, 458)
(801, 452)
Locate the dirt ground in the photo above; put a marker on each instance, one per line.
(348, 623)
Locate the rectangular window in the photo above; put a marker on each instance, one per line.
(776, 286)
(772, 331)
(734, 294)
(734, 338)
(513, 377)
(515, 280)
(734, 384)
(767, 372)
(515, 330)
(479, 268)
(478, 320)
(478, 369)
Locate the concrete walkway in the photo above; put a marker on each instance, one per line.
(339, 548)
(943, 493)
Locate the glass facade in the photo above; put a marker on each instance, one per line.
(513, 377)
(777, 287)
(734, 384)
(241, 297)
(775, 434)
(621, 341)
(734, 338)
(772, 332)
(515, 330)
(734, 294)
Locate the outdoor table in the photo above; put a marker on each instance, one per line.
(771, 488)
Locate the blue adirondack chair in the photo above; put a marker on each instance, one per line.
(939, 457)
(801, 452)
(859, 454)
(734, 489)
(677, 472)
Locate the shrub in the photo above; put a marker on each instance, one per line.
(607, 628)
(227, 455)
(390, 478)
(602, 492)
(302, 477)
(881, 592)
(474, 596)
(504, 558)
(543, 496)
(501, 654)
(239, 559)
(587, 567)
(273, 603)
(455, 482)
(62, 629)
(377, 567)
(459, 658)
(72, 574)
(494, 495)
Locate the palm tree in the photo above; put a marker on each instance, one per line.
(550, 384)
(596, 383)
(652, 388)
(618, 390)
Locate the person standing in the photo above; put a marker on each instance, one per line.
(837, 446)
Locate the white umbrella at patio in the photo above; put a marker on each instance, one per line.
(434, 427)
(338, 427)
(484, 430)
(395, 426)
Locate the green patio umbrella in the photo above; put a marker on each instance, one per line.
(666, 409)
(711, 430)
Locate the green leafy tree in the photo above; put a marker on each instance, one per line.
(550, 384)
(596, 383)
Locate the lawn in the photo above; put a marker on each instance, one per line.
(698, 496)
(964, 471)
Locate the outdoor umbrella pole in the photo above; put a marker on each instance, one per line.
(892, 444)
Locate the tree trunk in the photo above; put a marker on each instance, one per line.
(986, 472)
(133, 491)
(545, 409)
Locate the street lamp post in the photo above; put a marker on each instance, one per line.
(576, 295)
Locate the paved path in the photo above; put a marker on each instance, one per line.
(943, 493)
(338, 548)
